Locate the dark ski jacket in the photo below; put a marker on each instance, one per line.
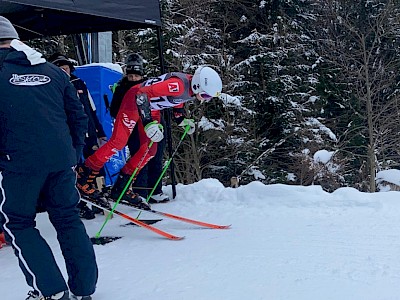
(95, 129)
(42, 122)
(119, 91)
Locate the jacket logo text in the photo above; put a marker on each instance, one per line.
(29, 79)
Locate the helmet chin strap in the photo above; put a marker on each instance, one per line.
(199, 98)
(202, 100)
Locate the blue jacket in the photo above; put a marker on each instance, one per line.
(42, 121)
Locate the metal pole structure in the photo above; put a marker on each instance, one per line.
(93, 47)
(167, 116)
(80, 49)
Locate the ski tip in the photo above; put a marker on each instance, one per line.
(177, 238)
(225, 226)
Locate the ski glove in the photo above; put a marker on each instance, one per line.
(154, 131)
(188, 122)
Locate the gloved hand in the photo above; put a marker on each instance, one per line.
(188, 122)
(154, 131)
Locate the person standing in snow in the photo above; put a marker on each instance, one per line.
(42, 132)
(168, 90)
(149, 174)
(95, 129)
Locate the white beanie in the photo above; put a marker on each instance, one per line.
(7, 31)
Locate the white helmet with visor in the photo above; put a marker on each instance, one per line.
(206, 83)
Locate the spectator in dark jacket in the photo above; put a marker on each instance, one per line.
(42, 131)
(95, 129)
(134, 74)
(150, 173)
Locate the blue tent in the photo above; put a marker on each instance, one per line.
(98, 79)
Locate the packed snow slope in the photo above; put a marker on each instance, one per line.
(286, 243)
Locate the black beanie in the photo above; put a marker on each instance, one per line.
(134, 64)
(61, 60)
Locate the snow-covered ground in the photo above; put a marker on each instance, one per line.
(286, 243)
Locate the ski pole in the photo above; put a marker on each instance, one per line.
(187, 128)
(124, 190)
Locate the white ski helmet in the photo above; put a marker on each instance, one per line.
(205, 80)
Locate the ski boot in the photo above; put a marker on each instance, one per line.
(86, 185)
(86, 181)
(129, 197)
(85, 212)
(34, 295)
(159, 198)
(103, 202)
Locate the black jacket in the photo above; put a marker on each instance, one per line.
(41, 117)
(119, 92)
(95, 129)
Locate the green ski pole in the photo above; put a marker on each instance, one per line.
(124, 190)
(166, 166)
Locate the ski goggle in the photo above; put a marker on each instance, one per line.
(205, 96)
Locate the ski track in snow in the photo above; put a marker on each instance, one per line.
(286, 243)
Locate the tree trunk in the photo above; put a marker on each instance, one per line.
(371, 138)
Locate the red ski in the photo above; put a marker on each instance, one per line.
(137, 222)
(187, 220)
(178, 218)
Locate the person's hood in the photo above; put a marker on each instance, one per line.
(24, 55)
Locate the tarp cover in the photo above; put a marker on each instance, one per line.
(38, 18)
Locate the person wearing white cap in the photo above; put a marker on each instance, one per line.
(42, 132)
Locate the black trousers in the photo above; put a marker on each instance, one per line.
(148, 176)
(19, 194)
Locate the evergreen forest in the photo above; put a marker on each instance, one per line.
(300, 78)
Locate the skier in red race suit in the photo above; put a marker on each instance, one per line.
(168, 90)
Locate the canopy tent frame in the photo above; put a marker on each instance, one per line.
(39, 18)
